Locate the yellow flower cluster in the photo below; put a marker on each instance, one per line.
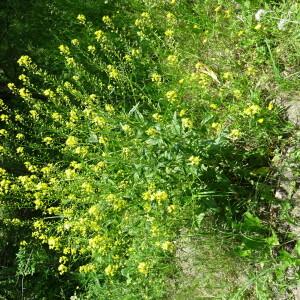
(111, 270)
(107, 20)
(116, 202)
(171, 96)
(234, 134)
(159, 196)
(169, 33)
(252, 110)
(24, 61)
(151, 131)
(143, 268)
(64, 50)
(194, 160)
(172, 59)
(91, 49)
(187, 123)
(167, 246)
(88, 268)
(113, 73)
(155, 77)
(24, 93)
(81, 18)
(100, 36)
(75, 42)
(71, 141)
(48, 140)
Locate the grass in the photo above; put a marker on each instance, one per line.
(154, 131)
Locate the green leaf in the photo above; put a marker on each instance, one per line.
(273, 240)
(297, 247)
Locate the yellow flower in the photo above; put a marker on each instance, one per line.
(182, 113)
(110, 270)
(126, 128)
(19, 118)
(157, 117)
(145, 15)
(24, 61)
(56, 116)
(171, 96)
(11, 86)
(187, 123)
(82, 151)
(227, 75)
(2, 149)
(107, 20)
(261, 120)
(143, 268)
(161, 196)
(172, 59)
(81, 18)
(2, 171)
(49, 93)
(109, 108)
(100, 36)
(170, 16)
(169, 33)
(73, 115)
(99, 166)
(167, 246)
(99, 121)
(237, 94)
(258, 26)
(194, 160)
(218, 8)
(70, 61)
(75, 42)
(64, 49)
(53, 242)
(47, 169)
(23, 243)
(71, 141)
(135, 52)
(148, 195)
(48, 140)
(34, 114)
(250, 71)
(94, 210)
(155, 77)
(213, 106)
(270, 106)
(252, 110)
(24, 93)
(91, 49)
(216, 126)
(171, 208)
(3, 132)
(20, 150)
(102, 140)
(112, 72)
(151, 131)
(23, 78)
(87, 268)
(62, 269)
(235, 134)
(87, 187)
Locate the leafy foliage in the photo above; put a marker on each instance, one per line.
(140, 128)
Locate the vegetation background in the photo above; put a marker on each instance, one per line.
(134, 132)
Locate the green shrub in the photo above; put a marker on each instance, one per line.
(148, 125)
